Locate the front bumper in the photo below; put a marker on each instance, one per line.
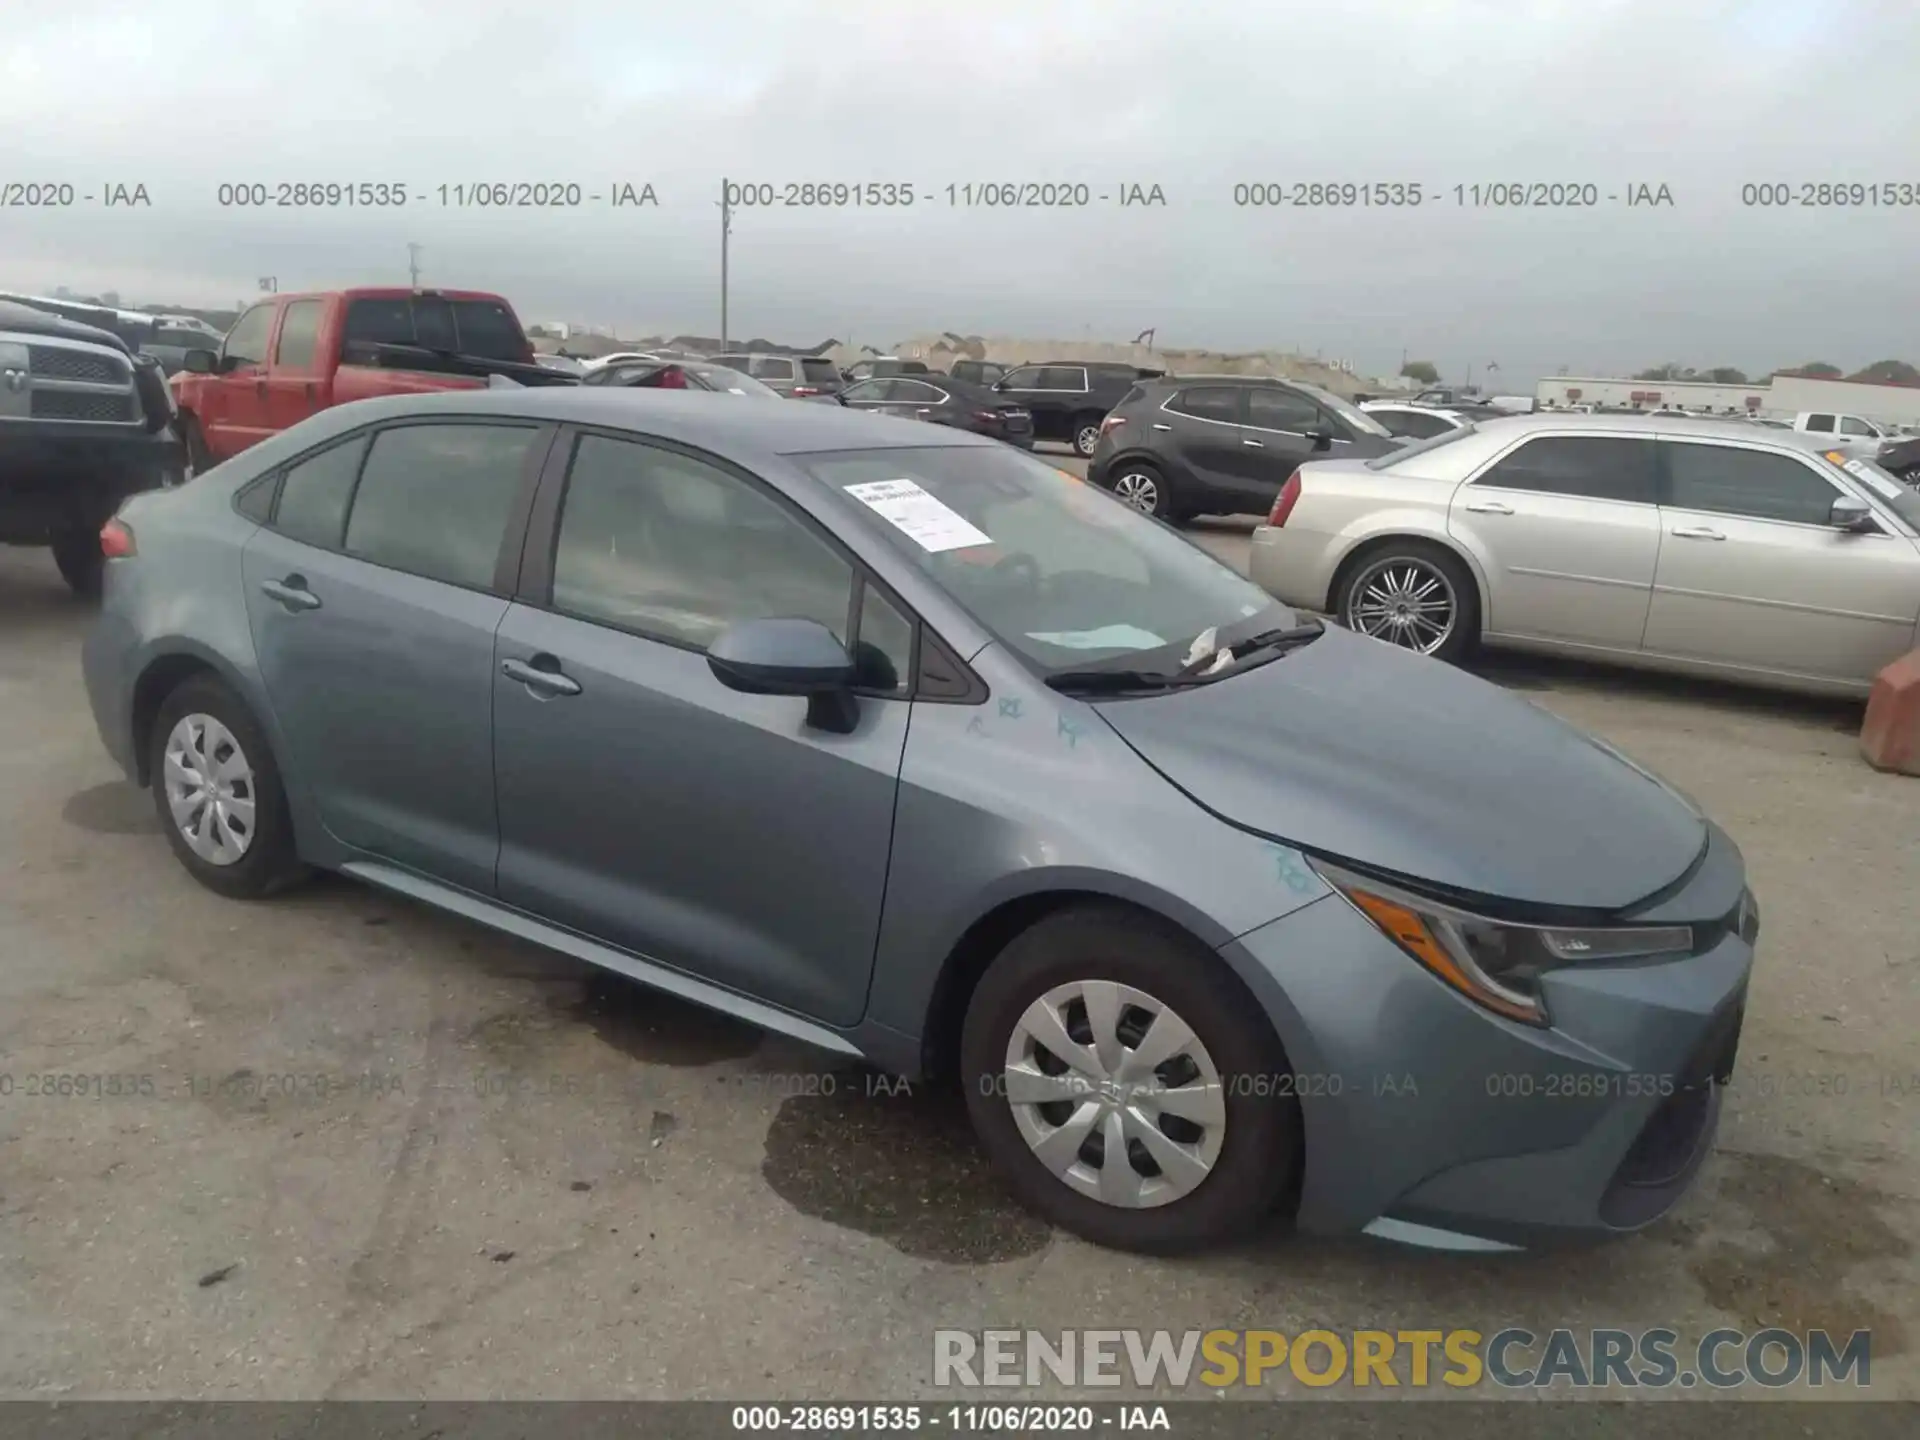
(1432, 1120)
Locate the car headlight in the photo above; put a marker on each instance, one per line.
(1494, 963)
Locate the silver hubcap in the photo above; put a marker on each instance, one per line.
(209, 787)
(1088, 437)
(1138, 491)
(1115, 1094)
(1405, 602)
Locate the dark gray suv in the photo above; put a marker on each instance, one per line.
(1179, 446)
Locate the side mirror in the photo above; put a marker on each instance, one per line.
(789, 657)
(1853, 516)
(200, 362)
(1322, 439)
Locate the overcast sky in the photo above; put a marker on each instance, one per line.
(1702, 96)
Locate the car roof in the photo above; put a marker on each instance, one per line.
(25, 319)
(697, 418)
(1549, 420)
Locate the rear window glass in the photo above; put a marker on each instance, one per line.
(820, 370)
(485, 328)
(1421, 447)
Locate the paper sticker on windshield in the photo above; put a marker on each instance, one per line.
(1886, 489)
(917, 515)
(1107, 637)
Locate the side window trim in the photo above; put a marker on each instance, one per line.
(1656, 477)
(268, 341)
(534, 584)
(1239, 406)
(1246, 409)
(1665, 489)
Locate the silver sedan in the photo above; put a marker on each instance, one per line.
(1717, 549)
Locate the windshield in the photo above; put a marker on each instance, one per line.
(1421, 447)
(720, 377)
(1348, 411)
(1898, 497)
(1061, 572)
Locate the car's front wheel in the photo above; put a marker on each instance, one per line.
(1126, 1085)
(81, 560)
(218, 793)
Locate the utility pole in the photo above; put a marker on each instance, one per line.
(726, 230)
(413, 264)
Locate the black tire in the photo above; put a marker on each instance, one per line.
(1084, 433)
(199, 458)
(269, 864)
(1121, 472)
(1465, 634)
(83, 565)
(1260, 1155)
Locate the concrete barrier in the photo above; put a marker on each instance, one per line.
(1890, 735)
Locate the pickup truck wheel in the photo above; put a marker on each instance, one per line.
(199, 458)
(82, 563)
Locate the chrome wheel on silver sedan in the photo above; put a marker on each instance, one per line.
(1140, 489)
(210, 789)
(1115, 1094)
(1405, 600)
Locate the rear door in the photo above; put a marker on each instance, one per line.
(1279, 437)
(1197, 428)
(373, 592)
(1752, 574)
(233, 402)
(295, 376)
(644, 803)
(1567, 533)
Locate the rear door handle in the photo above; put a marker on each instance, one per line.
(1163, 427)
(1253, 444)
(291, 592)
(1698, 532)
(1490, 507)
(536, 676)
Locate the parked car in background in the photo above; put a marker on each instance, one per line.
(1448, 395)
(1512, 404)
(1715, 549)
(84, 423)
(797, 377)
(1845, 432)
(1413, 422)
(170, 344)
(680, 375)
(943, 400)
(563, 364)
(291, 356)
(1181, 446)
(977, 372)
(933, 758)
(1068, 402)
(883, 365)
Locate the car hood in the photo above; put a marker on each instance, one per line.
(1357, 750)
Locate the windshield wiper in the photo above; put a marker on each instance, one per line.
(1094, 682)
(1291, 637)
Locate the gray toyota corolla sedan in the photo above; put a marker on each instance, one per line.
(913, 747)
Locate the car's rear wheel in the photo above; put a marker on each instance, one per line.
(1141, 485)
(1414, 594)
(1086, 435)
(218, 793)
(82, 562)
(1122, 1081)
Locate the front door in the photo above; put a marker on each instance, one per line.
(1199, 431)
(373, 609)
(1567, 532)
(294, 379)
(233, 407)
(1752, 574)
(646, 805)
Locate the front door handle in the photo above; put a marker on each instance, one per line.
(1253, 444)
(291, 592)
(542, 677)
(1490, 507)
(1163, 427)
(1698, 532)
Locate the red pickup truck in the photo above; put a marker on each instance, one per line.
(292, 356)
